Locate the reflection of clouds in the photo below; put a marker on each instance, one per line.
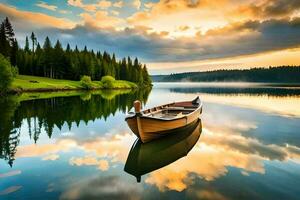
(207, 195)
(51, 157)
(111, 147)
(221, 145)
(35, 150)
(284, 106)
(245, 145)
(11, 173)
(114, 147)
(10, 190)
(217, 150)
(100, 151)
(102, 188)
(90, 161)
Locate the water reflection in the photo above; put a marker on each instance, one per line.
(43, 114)
(145, 158)
(249, 148)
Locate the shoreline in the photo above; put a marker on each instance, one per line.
(34, 84)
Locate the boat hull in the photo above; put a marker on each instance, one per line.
(145, 158)
(148, 129)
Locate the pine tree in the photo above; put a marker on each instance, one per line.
(14, 52)
(9, 32)
(4, 45)
(33, 40)
(26, 48)
(47, 58)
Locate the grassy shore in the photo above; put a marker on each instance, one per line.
(24, 83)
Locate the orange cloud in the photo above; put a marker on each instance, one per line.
(86, 7)
(101, 19)
(168, 16)
(104, 4)
(36, 19)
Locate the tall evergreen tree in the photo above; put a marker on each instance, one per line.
(14, 52)
(9, 32)
(26, 48)
(4, 46)
(33, 40)
(47, 58)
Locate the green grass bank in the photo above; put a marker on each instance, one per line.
(23, 83)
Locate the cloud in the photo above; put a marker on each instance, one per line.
(65, 11)
(46, 6)
(98, 31)
(281, 7)
(159, 35)
(267, 9)
(26, 19)
(137, 4)
(80, 4)
(149, 5)
(183, 28)
(104, 4)
(167, 15)
(111, 187)
(118, 4)
(101, 19)
(116, 13)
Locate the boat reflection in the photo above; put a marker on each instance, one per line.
(145, 158)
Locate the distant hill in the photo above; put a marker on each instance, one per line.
(282, 74)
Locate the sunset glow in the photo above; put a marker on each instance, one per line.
(169, 36)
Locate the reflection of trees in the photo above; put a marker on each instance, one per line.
(48, 113)
(255, 91)
(9, 129)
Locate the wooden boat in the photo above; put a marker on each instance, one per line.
(162, 120)
(145, 158)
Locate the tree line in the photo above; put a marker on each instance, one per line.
(53, 61)
(280, 74)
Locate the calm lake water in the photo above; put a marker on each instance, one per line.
(246, 146)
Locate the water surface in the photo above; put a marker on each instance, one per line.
(75, 145)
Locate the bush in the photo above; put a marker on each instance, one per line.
(108, 81)
(6, 75)
(86, 82)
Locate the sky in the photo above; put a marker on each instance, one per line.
(168, 35)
